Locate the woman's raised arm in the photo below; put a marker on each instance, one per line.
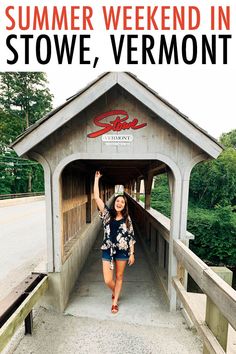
(98, 200)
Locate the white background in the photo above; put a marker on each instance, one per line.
(205, 93)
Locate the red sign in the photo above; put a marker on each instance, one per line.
(116, 125)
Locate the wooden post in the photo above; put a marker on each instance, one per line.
(132, 188)
(138, 182)
(128, 188)
(29, 323)
(214, 319)
(153, 239)
(170, 182)
(182, 273)
(148, 188)
(89, 201)
(161, 250)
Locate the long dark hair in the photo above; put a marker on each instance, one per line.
(124, 212)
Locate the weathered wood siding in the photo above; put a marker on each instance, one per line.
(73, 206)
(156, 137)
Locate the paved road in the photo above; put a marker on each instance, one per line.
(22, 242)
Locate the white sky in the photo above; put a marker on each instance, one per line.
(205, 95)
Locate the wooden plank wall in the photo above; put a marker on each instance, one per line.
(74, 199)
(106, 193)
(77, 193)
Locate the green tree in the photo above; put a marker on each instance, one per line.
(10, 128)
(24, 98)
(215, 234)
(25, 95)
(214, 182)
(229, 139)
(211, 214)
(160, 195)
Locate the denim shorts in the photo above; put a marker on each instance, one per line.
(120, 255)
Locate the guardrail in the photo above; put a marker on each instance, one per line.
(20, 195)
(155, 230)
(222, 294)
(17, 306)
(155, 233)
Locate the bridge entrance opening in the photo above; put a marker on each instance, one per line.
(135, 178)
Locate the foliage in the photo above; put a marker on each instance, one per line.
(160, 196)
(16, 174)
(10, 127)
(24, 98)
(211, 216)
(24, 95)
(214, 182)
(229, 139)
(6, 174)
(215, 234)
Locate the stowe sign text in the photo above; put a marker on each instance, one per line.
(116, 124)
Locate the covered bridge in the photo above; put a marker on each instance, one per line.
(118, 125)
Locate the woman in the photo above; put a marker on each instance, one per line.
(118, 242)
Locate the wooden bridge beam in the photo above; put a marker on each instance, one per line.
(138, 183)
(148, 188)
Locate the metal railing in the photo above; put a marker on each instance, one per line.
(20, 195)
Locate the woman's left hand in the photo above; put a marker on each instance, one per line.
(131, 260)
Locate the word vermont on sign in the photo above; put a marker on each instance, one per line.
(117, 124)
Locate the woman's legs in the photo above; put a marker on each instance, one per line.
(115, 286)
(120, 267)
(108, 275)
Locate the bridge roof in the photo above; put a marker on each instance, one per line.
(129, 82)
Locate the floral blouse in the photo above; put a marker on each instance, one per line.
(125, 236)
